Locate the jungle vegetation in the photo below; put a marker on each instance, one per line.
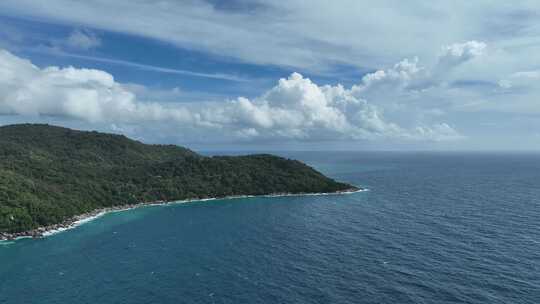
(49, 174)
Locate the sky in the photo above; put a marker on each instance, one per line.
(278, 75)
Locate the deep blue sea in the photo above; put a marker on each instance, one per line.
(433, 228)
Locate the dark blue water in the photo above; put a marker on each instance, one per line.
(434, 228)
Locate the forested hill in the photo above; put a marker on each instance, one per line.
(49, 174)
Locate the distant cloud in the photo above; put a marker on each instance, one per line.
(458, 53)
(527, 74)
(520, 78)
(295, 109)
(463, 51)
(401, 73)
(83, 39)
(355, 33)
(439, 132)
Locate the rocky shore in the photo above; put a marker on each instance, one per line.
(70, 223)
(85, 217)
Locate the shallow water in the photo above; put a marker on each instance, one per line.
(434, 228)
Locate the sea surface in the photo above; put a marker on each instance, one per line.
(433, 228)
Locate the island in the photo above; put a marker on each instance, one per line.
(51, 177)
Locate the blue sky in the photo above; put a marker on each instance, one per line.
(264, 75)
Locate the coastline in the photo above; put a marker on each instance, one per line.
(81, 219)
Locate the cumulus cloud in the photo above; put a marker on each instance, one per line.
(409, 84)
(463, 51)
(468, 76)
(409, 73)
(86, 94)
(83, 39)
(458, 53)
(438, 132)
(400, 75)
(402, 71)
(296, 108)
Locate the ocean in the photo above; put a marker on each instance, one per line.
(433, 228)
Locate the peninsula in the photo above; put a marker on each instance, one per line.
(50, 176)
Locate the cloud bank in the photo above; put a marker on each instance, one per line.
(424, 69)
(295, 109)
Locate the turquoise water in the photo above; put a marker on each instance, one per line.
(434, 228)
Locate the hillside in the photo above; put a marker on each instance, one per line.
(49, 174)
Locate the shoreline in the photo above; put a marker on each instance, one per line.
(81, 219)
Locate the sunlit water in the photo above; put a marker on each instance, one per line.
(434, 228)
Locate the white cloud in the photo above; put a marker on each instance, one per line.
(352, 32)
(527, 74)
(400, 75)
(86, 94)
(521, 78)
(83, 39)
(489, 75)
(296, 108)
(438, 132)
(456, 54)
(463, 51)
